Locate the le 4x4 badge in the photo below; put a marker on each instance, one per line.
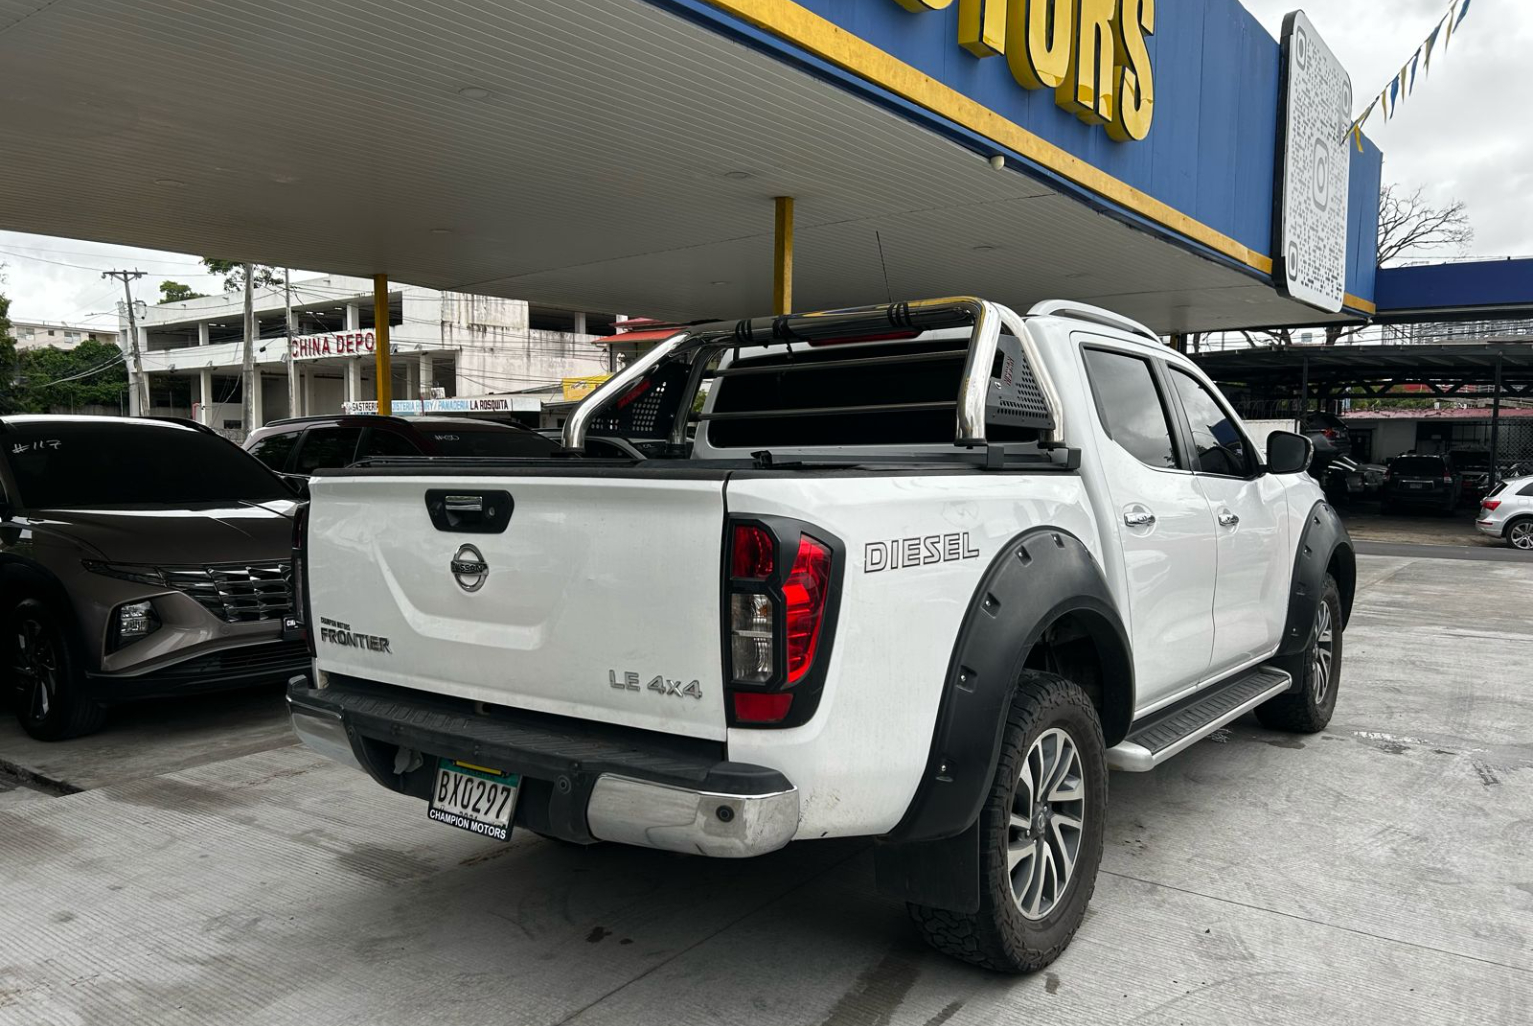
(629, 681)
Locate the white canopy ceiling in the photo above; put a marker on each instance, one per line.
(593, 154)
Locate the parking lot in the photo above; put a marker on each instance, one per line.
(211, 871)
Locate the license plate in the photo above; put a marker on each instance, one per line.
(474, 798)
(1416, 484)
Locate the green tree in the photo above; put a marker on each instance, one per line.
(10, 397)
(174, 292)
(91, 374)
(233, 272)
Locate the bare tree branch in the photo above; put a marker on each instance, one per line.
(1409, 223)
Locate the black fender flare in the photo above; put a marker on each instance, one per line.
(1324, 546)
(1036, 578)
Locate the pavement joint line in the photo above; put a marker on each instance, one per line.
(1416, 550)
(1320, 922)
(52, 785)
(742, 917)
(1388, 575)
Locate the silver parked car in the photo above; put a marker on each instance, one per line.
(1507, 512)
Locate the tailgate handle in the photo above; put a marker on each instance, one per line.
(468, 512)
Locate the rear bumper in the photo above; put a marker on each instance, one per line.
(581, 781)
(1490, 527)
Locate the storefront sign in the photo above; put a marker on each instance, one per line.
(1314, 163)
(576, 389)
(1092, 53)
(335, 343)
(460, 404)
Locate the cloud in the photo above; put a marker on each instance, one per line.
(59, 280)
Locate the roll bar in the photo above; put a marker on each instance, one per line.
(874, 322)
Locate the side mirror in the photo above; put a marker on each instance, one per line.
(1288, 453)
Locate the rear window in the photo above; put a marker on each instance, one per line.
(1419, 466)
(1471, 459)
(273, 450)
(87, 466)
(325, 447)
(488, 441)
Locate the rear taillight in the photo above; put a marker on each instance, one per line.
(762, 707)
(296, 625)
(804, 596)
(777, 615)
(1331, 433)
(1490, 504)
(751, 553)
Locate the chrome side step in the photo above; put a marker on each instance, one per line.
(1161, 735)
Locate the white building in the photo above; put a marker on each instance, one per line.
(45, 334)
(443, 345)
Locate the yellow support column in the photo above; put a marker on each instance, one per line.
(382, 372)
(782, 257)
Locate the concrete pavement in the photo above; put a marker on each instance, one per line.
(1376, 873)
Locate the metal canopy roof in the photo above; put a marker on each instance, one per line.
(609, 156)
(1470, 290)
(1440, 370)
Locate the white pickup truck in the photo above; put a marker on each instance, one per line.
(920, 573)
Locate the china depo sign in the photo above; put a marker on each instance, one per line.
(336, 343)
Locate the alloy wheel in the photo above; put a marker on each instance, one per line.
(37, 668)
(1521, 535)
(1048, 814)
(1324, 651)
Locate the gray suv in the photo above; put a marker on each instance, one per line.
(138, 558)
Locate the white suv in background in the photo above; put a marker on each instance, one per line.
(1507, 512)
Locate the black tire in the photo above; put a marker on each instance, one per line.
(1308, 710)
(999, 935)
(45, 675)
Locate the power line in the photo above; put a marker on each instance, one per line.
(108, 365)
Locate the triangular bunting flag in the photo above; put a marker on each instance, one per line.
(1431, 42)
(1404, 83)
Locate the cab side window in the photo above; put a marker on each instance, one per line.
(1130, 406)
(273, 450)
(1218, 447)
(327, 447)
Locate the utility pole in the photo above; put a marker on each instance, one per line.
(292, 364)
(140, 394)
(248, 381)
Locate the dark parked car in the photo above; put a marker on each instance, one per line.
(1329, 434)
(303, 445)
(138, 558)
(1473, 469)
(1422, 480)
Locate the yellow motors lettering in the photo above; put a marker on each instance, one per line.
(1091, 53)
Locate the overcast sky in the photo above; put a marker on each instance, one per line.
(1462, 134)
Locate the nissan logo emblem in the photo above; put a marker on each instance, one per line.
(469, 568)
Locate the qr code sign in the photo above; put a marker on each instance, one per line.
(1317, 157)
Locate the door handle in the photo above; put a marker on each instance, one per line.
(1228, 519)
(1139, 518)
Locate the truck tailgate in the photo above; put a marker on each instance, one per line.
(600, 597)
